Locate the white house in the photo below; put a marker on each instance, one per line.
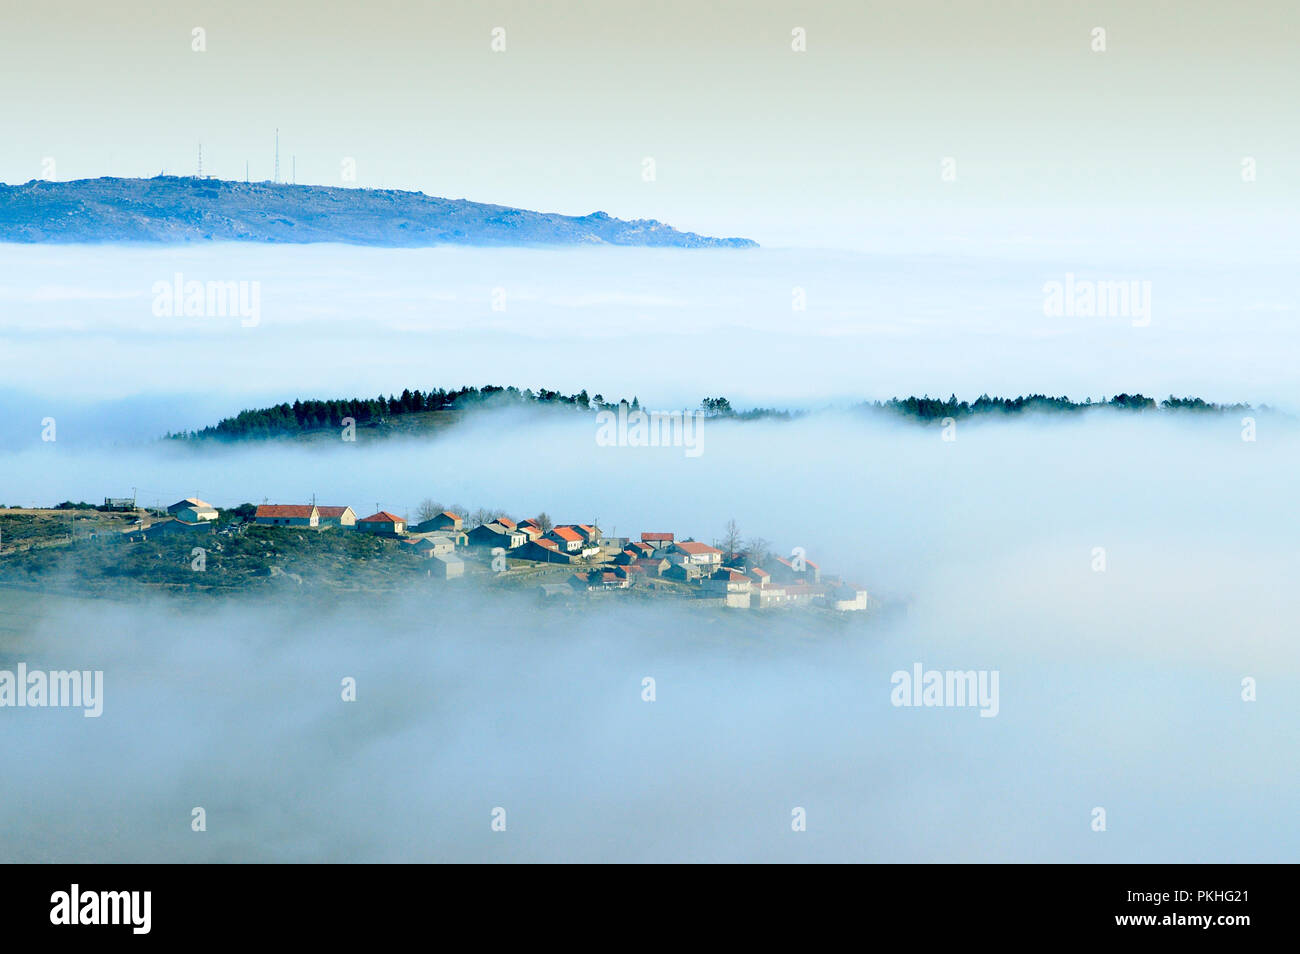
(192, 510)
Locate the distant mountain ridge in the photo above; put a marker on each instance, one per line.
(179, 209)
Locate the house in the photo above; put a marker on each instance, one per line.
(543, 551)
(803, 592)
(613, 546)
(287, 515)
(382, 522)
(530, 531)
(700, 554)
(652, 567)
(337, 516)
(440, 521)
(530, 522)
(657, 541)
(431, 545)
(732, 586)
(848, 597)
(495, 535)
(192, 510)
(570, 541)
(548, 591)
(784, 571)
(588, 533)
(594, 580)
(447, 566)
(513, 535)
(641, 549)
(683, 572)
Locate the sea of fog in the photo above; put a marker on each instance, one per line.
(85, 333)
(1120, 682)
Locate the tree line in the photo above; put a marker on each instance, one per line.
(311, 415)
(931, 409)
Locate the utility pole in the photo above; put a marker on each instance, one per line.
(277, 155)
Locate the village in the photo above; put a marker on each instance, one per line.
(585, 560)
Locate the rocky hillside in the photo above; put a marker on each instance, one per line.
(176, 209)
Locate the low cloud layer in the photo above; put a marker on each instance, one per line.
(1119, 689)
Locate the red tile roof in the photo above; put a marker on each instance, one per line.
(331, 511)
(549, 544)
(382, 517)
(691, 546)
(505, 522)
(284, 510)
(734, 576)
(667, 537)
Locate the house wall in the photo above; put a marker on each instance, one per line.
(287, 521)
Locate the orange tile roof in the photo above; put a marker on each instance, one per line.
(284, 510)
(691, 546)
(382, 517)
(565, 533)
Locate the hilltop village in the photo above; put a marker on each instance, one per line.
(559, 561)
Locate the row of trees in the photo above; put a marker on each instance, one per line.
(309, 415)
(929, 409)
(301, 416)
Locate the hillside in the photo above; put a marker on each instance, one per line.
(174, 209)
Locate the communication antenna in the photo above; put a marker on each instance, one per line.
(200, 160)
(277, 155)
(245, 170)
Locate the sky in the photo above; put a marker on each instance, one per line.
(840, 145)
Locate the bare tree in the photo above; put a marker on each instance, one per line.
(544, 521)
(428, 509)
(757, 551)
(481, 516)
(731, 539)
